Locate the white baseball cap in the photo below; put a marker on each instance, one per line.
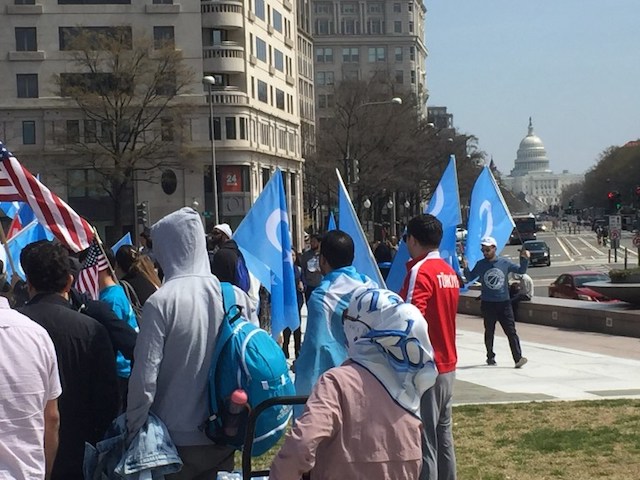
(489, 242)
(224, 228)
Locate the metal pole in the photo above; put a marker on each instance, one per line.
(214, 179)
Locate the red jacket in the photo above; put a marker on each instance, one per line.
(433, 286)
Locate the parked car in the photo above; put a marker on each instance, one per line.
(572, 285)
(540, 252)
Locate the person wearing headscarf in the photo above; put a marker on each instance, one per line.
(362, 419)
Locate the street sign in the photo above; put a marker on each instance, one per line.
(615, 222)
(636, 240)
(615, 234)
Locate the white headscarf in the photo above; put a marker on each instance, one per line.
(389, 338)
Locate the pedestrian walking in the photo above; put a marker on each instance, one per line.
(433, 287)
(493, 273)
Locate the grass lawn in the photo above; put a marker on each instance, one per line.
(542, 440)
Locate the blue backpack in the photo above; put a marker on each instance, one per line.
(246, 357)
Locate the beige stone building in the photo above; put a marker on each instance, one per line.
(359, 40)
(261, 62)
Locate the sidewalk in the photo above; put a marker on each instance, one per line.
(563, 365)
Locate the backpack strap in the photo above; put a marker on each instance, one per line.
(131, 294)
(232, 311)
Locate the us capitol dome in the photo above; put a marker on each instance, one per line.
(532, 180)
(532, 157)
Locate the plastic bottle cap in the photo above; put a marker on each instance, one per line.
(239, 397)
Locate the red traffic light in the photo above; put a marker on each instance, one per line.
(611, 195)
(638, 190)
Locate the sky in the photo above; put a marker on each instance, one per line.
(571, 65)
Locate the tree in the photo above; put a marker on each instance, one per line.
(131, 96)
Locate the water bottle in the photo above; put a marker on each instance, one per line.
(237, 404)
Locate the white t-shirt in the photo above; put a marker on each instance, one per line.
(29, 378)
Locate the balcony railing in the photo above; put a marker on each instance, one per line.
(228, 96)
(225, 14)
(225, 57)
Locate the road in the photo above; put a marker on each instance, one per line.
(575, 251)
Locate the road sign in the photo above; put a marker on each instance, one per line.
(636, 240)
(615, 222)
(615, 234)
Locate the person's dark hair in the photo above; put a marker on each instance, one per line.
(426, 229)
(46, 266)
(337, 248)
(146, 234)
(125, 256)
(316, 236)
(130, 261)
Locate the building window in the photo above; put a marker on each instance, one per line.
(326, 101)
(27, 85)
(398, 54)
(410, 27)
(324, 55)
(67, 35)
(377, 54)
(399, 76)
(25, 2)
(324, 26)
(278, 58)
(413, 76)
(243, 128)
(261, 49)
(410, 6)
(351, 55)
(28, 132)
(167, 84)
(324, 78)
(262, 92)
(26, 39)
(322, 8)
(94, 2)
(349, 8)
(375, 26)
(277, 20)
(163, 37)
(375, 8)
(166, 129)
(230, 126)
(90, 131)
(279, 99)
(350, 26)
(260, 9)
(351, 75)
(217, 134)
(163, 2)
(397, 8)
(412, 53)
(397, 27)
(73, 131)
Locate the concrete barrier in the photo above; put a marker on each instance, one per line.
(616, 318)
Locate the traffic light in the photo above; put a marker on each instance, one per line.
(618, 203)
(638, 191)
(355, 171)
(142, 212)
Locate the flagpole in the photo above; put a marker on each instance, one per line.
(3, 238)
(102, 250)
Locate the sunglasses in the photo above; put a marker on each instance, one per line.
(486, 249)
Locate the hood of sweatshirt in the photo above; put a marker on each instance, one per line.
(179, 244)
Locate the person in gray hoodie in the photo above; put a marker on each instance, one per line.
(179, 327)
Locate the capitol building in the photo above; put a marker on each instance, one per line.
(532, 180)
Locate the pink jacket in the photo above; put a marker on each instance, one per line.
(351, 428)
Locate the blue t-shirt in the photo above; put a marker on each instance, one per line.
(493, 276)
(115, 297)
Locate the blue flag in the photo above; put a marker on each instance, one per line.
(10, 208)
(264, 234)
(332, 222)
(364, 262)
(489, 216)
(445, 206)
(125, 240)
(29, 234)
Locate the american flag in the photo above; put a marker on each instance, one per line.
(95, 261)
(17, 183)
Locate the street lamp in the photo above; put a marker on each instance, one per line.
(210, 81)
(353, 178)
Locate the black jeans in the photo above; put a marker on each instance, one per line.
(502, 312)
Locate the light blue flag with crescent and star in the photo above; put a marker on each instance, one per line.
(32, 232)
(445, 206)
(125, 240)
(363, 261)
(332, 222)
(264, 233)
(489, 216)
